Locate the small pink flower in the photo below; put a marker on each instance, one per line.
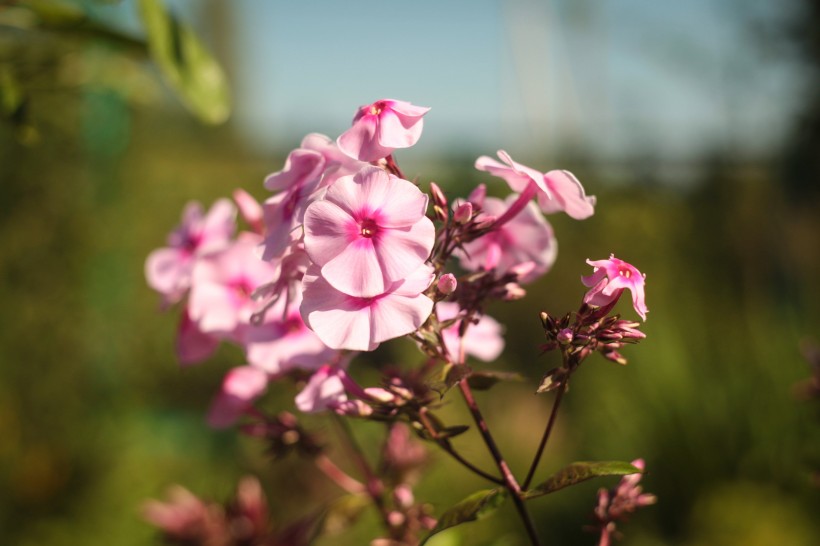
(369, 231)
(325, 390)
(360, 324)
(168, 269)
(240, 388)
(220, 302)
(380, 128)
(524, 244)
(193, 345)
(555, 190)
(482, 340)
(608, 281)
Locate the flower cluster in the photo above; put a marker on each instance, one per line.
(616, 504)
(347, 253)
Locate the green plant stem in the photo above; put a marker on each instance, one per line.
(444, 444)
(545, 437)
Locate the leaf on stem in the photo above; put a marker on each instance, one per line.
(450, 375)
(580, 472)
(186, 65)
(477, 506)
(482, 381)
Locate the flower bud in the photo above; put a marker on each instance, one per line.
(438, 196)
(513, 291)
(564, 337)
(463, 213)
(447, 284)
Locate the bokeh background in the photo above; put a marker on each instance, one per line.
(697, 125)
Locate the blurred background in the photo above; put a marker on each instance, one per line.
(697, 125)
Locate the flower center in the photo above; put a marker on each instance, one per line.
(625, 273)
(375, 109)
(368, 228)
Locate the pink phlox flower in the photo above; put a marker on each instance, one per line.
(616, 504)
(348, 322)
(382, 127)
(610, 278)
(241, 386)
(192, 344)
(283, 341)
(525, 244)
(556, 190)
(222, 284)
(168, 269)
(184, 517)
(482, 339)
(368, 232)
(283, 215)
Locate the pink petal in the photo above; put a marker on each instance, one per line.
(394, 315)
(397, 131)
(363, 192)
(403, 205)
(324, 390)
(416, 282)
(212, 306)
(360, 141)
(568, 195)
(193, 345)
(356, 270)
(218, 227)
(401, 251)
(327, 230)
(407, 110)
(240, 388)
(301, 167)
(340, 321)
(168, 271)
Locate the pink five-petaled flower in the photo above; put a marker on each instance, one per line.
(555, 190)
(348, 322)
(380, 128)
(168, 269)
(610, 278)
(368, 232)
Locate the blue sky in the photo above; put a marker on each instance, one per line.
(617, 78)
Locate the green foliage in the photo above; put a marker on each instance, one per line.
(576, 473)
(185, 63)
(477, 506)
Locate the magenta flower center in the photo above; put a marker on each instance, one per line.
(623, 272)
(368, 228)
(375, 109)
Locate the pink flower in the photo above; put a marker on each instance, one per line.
(618, 503)
(525, 239)
(240, 388)
(360, 324)
(283, 341)
(249, 209)
(193, 345)
(380, 128)
(369, 231)
(220, 302)
(609, 279)
(482, 340)
(555, 190)
(168, 269)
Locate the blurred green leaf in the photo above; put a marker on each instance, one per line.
(11, 93)
(450, 375)
(477, 506)
(482, 381)
(344, 512)
(185, 63)
(56, 13)
(580, 472)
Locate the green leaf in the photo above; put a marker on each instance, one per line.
(482, 381)
(186, 65)
(55, 13)
(477, 506)
(580, 472)
(450, 375)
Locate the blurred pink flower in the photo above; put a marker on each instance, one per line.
(380, 128)
(348, 322)
(168, 269)
(555, 190)
(193, 345)
(482, 340)
(616, 504)
(325, 390)
(241, 386)
(609, 279)
(220, 302)
(283, 341)
(525, 239)
(369, 231)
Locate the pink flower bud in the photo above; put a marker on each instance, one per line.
(463, 213)
(447, 284)
(513, 291)
(564, 337)
(438, 196)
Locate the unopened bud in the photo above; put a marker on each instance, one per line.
(513, 291)
(486, 221)
(353, 408)
(447, 284)
(616, 357)
(403, 496)
(439, 213)
(477, 195)
(564, 337)
(438, 196)
(380, 395)
(463, 213)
